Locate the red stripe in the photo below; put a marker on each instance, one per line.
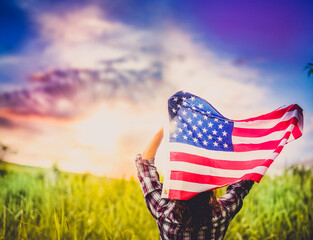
(296, 132)
(251, 132)
(253, 147)
(208, 179)
(199, 178)
(253, 176)
(185, 195)
(279, 149)
(181, 195)
(223, 164)
(275, 114)
(260, 146)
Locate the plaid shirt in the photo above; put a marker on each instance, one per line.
(162, 209)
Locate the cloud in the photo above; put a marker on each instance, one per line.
(246, 61)
(233, 90)
(84, 38)
(83, 59)
(81, 25)
(6, 123)
(70, 93)
(106, 91)
(10, 59)
(84, 95)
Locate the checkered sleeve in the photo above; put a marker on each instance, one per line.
(232, 201)
(150, 185)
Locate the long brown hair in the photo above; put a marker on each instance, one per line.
(196, 212)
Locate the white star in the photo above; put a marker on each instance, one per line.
(185, 125)
(184, 103)
(178, 106)
(174, 110)
(210, 137)
(224, 133)
(192, 98)
(194, 127)
(184, 98)
(214, 132)
(194, 115)
(220, 126)
(215, 144)
(189, 120)
(175, 99)
(190, 132)
(205, 117)
(193, 107)
(204, 130)
(200, 106)
(174, 135)
(199, 135)
(205, 143)
(180, 130)
(200, 122)
(219, 139)
(184, 113)
(225, 145)
(208, 112)
(226, 122)
(210, 124)
(215, 120)
(185, 137)
(195, 140)
(179, 117)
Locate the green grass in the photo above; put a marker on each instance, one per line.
(49, 204)
(279, 208)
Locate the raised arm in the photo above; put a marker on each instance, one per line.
(149, 178)
(232, 201)
(153, 146)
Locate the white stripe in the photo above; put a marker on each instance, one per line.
(189, 186)
(265, 124)
(217, 172)
(270, 137)
(283, 107)
(291, 138)
(221, 155)
(283, 142)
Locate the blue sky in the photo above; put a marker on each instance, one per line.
(275, 37)
(245, 58)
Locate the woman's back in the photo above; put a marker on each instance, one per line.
(169, 219)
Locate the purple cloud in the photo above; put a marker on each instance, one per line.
(6, 123)
(70, 93)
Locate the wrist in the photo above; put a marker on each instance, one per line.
(144, 161)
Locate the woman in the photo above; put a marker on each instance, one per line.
(201, 217)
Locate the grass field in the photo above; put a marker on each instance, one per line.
(49, 204)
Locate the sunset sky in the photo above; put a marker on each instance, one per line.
(84, 84)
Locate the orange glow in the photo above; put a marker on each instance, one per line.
(102, 129)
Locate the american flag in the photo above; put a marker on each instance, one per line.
(208, 151)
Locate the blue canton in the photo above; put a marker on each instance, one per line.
(196, 122)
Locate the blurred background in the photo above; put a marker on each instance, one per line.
(84, 84)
